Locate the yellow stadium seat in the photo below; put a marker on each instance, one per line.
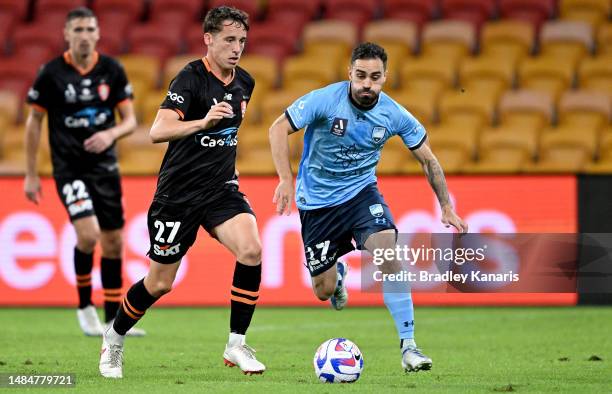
(596, 74)
(504, 150)
(253, 136)
(138, 155)
(9, 105)
(263, 69)
(431, 74)
(568, 41)
(275, 104)
(547, 74)
(487, 74)
(604, 39)
(603, 165)
(173, 66)
(563, 150)
(510, 40)
(450, 39)
(468, 109)
(256, 161)
(329, 38)
(142, 68)
(307, 73)
(525, 109)
(150, 106)
(421, 104)
(453, 146)
(593, 12)
(585, 109)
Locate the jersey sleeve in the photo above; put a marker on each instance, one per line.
(410, 130)
(121, 88)
(38, 95)
(307, 109)
(180, 93)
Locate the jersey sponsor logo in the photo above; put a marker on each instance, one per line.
(378, 133)
(222, 138)
(339, 126)
(175, 97)
(70, 94)
(227, 96)
(88, 117)
(166, 250)
(80, 206)
(377, 210)
(103, 91)
(86, 95)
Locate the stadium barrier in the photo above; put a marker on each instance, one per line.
(37, 241)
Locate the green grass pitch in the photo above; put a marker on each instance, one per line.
(473, 350)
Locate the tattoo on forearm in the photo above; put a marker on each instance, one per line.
(436, 179)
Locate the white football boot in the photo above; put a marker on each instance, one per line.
(132, 332)
(413, 360)
(89, 321)
(111, 356)
(243, 356)
(340, 297)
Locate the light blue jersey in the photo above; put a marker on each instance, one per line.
(342, 142)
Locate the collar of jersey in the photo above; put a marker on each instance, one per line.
(359, 106)
(210, 70)
(68, 59)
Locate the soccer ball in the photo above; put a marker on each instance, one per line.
(338, 360)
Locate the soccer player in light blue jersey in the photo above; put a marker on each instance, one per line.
(346, 125)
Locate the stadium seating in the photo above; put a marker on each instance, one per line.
(421, 103)
(526, 109)
(119, 9)
(453, 147)
(504, 150)
(488, 75)
(432, 74)
(330, 38)
(585, 110)
(471, 110)
(155, 40)
(9, 106)
(39, 41)
(593, 12)
(358, 12)
(510, 40)
(475, 12)
(248, 6)
(547, 74)
(604, 38)
(52, 9)
(299, 73)
(596, 74)
(264, 38)
(17, 8)
(173, 12)
(532, 11)
(138, 155)
(449, 39)
(566, 40)
(603, 165)
(565, 151)
(417, 11)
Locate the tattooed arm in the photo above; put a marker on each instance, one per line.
(435, 177)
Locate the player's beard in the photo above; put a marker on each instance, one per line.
(366, 100)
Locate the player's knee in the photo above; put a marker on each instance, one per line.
(86, 240)
(111, 247)
(250, 254)
(160, 287)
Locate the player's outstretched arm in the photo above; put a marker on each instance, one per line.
(435, 176)
(32, 140)
(168, 125)
(279, 144)
(102, 140)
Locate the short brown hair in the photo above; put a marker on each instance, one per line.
(213, 21)
(80, 12)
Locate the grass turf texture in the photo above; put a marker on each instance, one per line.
(473, 350)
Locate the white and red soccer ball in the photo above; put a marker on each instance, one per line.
(338, 360)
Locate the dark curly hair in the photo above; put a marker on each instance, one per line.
(369, 50)
(213, 21)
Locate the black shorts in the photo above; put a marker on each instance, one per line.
(173, 228)
(327, 233)
(92, 195)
